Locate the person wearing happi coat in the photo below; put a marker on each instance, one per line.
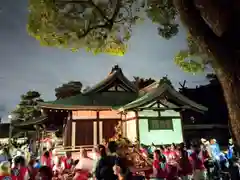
(46, 160)
(57, 169)
(85, 166)
(159, 166)
(185, 165)
(54, 157)
(20, 169)
(199, 170)
(67, 161)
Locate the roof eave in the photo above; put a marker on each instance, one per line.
(73, 107)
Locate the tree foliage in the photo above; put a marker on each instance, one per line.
(69, 89)
(27, 108)
(96, 25)
(193, 59)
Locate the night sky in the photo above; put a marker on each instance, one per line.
(25, 65)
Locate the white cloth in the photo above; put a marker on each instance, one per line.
(85, 164)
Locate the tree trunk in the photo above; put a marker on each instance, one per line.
(231, 89)
(221, 44)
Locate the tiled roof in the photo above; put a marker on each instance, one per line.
(103, 100)
(158, 91)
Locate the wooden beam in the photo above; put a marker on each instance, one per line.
(160, 118)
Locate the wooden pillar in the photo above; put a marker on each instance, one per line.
(73, 134)
(137, 126)
(68, 130)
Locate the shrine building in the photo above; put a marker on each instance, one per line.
(149, 115)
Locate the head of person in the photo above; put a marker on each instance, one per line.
(162, 148)
(44, 173)
(44, 149)
(173, 146)
(83, 153)
(112, 146)
(68, 154)
(196, 148)
(19, 161)
(102, 150)
(156, 154)
(212, 141)
(46, 154)
(184, 154)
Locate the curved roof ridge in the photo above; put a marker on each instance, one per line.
(115, 73)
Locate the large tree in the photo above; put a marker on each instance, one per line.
(27, 108)
(69, 89)
(103, 25)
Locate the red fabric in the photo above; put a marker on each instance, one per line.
(8, 178)
(33, 172)
(172, 155)
(67, 162)
(161, 172)
(46, 161)
(198, 160)
(172, 172)
(185, 167)
(20, 172)
(82, 175)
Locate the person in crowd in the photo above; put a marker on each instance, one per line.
(37, 163)
(57, 169)
(215, 149)
(159, 166)
(230, 151)
(215, 152)
(54, 157)
(84, 167)
(173, 153)
(44, 173)
(67, 161)
(185, 165)
(199, 171)
(20, 169)
(32, 170)
(46, 160)
(234, 169)
(104, 167)
(143, 150)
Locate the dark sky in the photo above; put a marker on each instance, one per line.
(25, 65)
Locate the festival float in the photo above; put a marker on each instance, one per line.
(137, 162)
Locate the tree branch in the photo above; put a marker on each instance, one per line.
(89, 29)
(116, 11)
(90, 2)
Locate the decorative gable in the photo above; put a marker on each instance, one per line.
(115, 81)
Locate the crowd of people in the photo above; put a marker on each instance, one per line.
(201, 161)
